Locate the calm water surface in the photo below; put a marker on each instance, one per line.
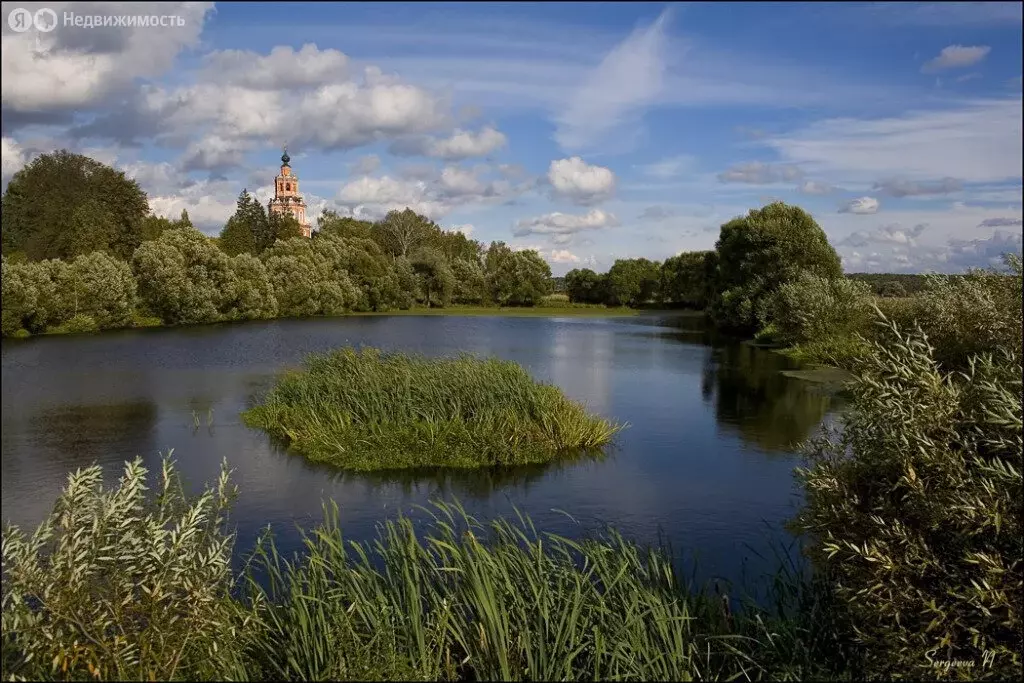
(705, 464)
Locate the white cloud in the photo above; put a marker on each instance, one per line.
(887, 234)
(281, 69)
(1001, 222)
(74, 68)
(860, 206)
(759, 173)
(629, 78)
(977, 142)
(562, 227)
(563, 256)
(12, 158)
(814, 187)
(466, 229)
(461, 144)
(581, 182)
(669, 168)
(956, 57)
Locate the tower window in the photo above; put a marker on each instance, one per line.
(288, 187)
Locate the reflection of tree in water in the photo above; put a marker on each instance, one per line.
(752, 396)
(472, 483)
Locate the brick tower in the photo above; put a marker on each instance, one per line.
(286, 196)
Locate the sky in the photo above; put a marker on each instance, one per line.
(587, 131)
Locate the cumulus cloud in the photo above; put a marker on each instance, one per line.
(76, 68)
(886, 234)
(759, 173)
(956, 57)
(282, 69)
(611, 96)
(814, 187)
(562, 227)
(1001, 222)
(860, 206)
(580, 182)
(12, 158)
(461, 144)
(907, 188)
(563, 256)
(954, 256)
(466, 229)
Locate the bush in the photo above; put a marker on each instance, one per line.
(811, 308)
(915, 508)
(100, 287)
(77, 324)
(366, 411)
(758, 253)
(118, 585)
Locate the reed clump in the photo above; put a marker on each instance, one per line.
(366, 410)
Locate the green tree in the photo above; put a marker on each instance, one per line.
(470, 282)
(64, 204)
(100, 287)
(250, 230)
(455, 245)
(184, 278)
(759, 252)
(252, 294)
(330, 223)
(585, 286)
(632, 282)
(684, 279)
(401, 233)
(283, 226)
(308, 278)
(436, 280)
(518, 278)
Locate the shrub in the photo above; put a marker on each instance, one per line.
(118, 585)
(915, 508)
(758, 253)
(100, 287)
(365, 410)
(77, 324)
(812, 307)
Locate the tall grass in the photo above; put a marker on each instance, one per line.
(120, 585)
(365, 410)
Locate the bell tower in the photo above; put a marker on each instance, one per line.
(287, 199)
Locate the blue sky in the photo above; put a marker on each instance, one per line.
(587, 131)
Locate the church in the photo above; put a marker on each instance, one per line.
(287, 199)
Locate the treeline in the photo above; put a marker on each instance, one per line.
(143, 269)
(679, 281)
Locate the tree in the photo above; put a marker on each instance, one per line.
(684, 279)
(470, 282)
(761, 251)
(184, 278)
(455, 245)
(402, 232)
(249, 230)
(585, 286)
(436, 280)
(283, 226)
(252, 296)
(330, 223)
(100, 287)
(516, 277)
(307, 278)
(64, 204)
(632, 282)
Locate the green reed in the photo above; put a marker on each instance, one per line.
(365, 410)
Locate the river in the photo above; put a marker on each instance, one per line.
(705, 464)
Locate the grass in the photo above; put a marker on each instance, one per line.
(122, 585)
(365, 410)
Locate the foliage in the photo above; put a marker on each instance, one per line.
(119, 585)
(812, 307)
(632, 282)
(470, 282)
(330, 223)
(308, 279)
(915, 507)
(401, 233)
(516, 278)
(183, 278)
(252, 293)
(684, 279)
(100, 287)
(365, 410)
(585, 286)
(62, 205)
(153, 226)
(435, 278)
(761, 251)
(892, 284)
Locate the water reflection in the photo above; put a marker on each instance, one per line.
(752, 396)
(683, 470)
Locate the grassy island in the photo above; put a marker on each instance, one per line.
(366, 410)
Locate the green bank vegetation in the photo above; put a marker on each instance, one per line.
(72, 263)
(364, 410)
